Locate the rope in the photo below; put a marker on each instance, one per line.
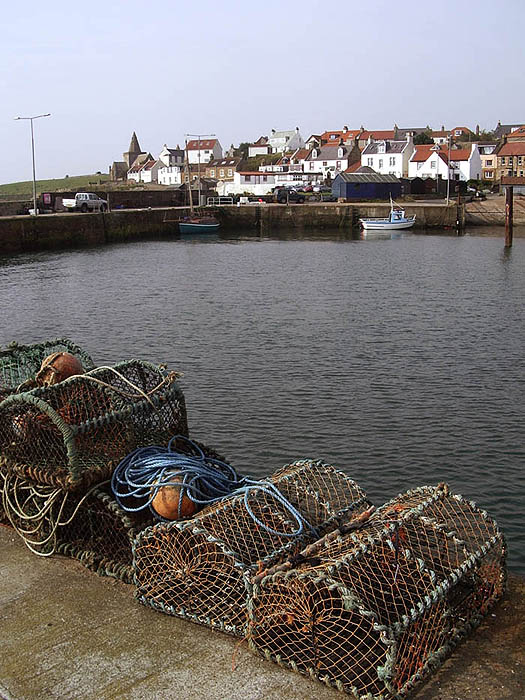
(203, 479)
(36, 512)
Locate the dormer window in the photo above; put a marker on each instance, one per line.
(314, 153)
(381, 148)
(340, 152)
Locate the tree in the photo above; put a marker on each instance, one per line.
(242, 150)
(422, 138)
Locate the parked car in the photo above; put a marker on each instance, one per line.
(322, 188)
(284, 195)
(85, 201)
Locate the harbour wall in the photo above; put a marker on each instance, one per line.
(54, 231)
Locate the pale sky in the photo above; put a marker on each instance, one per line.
(238, 68)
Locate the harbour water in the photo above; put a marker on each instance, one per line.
(399, 360)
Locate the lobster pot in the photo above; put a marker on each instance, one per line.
(73, 434)
(373, 611)
(18, 363)
(101, 534)
(199, 569)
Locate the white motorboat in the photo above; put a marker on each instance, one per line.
(396, 220)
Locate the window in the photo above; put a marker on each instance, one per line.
(520, 160)
(370, 162)
(503, 160)
(392, 160)
(247, 178)
(458, 132)
(221, 172)
(333, 137)
(264, 178)
(419, 166)
(338, 165)
(432, 164)
(312, 165)
(489, 174)
(325, 163)
(230, 172)
(212, 173)
(380, 163)
(488, 163)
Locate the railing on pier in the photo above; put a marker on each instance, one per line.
(218, 201)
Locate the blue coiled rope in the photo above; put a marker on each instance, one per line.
(203, 479)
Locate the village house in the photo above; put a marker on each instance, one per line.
(462, 133)
(429, 161)
(171, 166)
(433, 161)
(488, 161)
(261, 147)
(203, 150)
(281, 141)
(346, 135)
(223, 168)
(387, 156)
(247, 182)
(134, 173)
(440, 137)
(502, 130)
(511, 155)
(330, 160)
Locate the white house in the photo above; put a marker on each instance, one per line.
(327, 160)
(136, 167)
(281, 141)
(261, 147)
(203, 150)
(389, 157)
(433, 161)
(171, 166)
(253, 182)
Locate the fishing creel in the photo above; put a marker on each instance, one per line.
(18, 363)
(372, 611)
(200, 569)
(72, 434)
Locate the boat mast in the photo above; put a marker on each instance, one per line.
(189, 177)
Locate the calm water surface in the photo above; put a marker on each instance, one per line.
(401, 361)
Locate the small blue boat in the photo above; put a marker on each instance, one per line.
(199, 224)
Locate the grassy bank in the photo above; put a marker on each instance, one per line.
(76, 182)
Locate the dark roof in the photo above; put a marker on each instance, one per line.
(327, 153)
(367, 177)
(390, 146)
(504, 129)
(134, 144)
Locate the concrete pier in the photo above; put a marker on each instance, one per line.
(54, 231)
(68, 634)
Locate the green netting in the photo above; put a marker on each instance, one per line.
(19, 363)
(73, 433)
(199, 569)
(373, 610)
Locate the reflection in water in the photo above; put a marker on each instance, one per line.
(399, 360)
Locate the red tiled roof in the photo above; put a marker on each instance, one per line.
(353, 167)
(424, 151)
(195, 145)
(460, 154)
(512, 149)
(517, 133)
(301, 154)
(377, 135)
(461, 128)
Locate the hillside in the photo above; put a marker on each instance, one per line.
(76, 182)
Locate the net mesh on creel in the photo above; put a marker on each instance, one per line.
(73, 433)
(90, 526)
(374, 610)
(199, 569)
(18, 363)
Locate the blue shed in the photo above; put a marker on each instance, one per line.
(366, 186)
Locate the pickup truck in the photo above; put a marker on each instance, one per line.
(85, 201)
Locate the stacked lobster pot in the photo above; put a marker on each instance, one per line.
(201, 569)
(372, 610)
(60, 441)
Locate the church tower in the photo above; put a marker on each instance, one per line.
(133, 152)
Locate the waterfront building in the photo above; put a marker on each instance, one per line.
(433, 161)
(511, 155)
(134, 172)
(247, 182)
(488, 161)
(203, 150)
(171, 166)
(222, 168)
(387, 156)
(331, 160)
(261, 147)
(502, 130)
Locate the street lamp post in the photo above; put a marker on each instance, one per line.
(38, 116)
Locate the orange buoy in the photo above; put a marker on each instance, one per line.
(57, 367)
(167, 498)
